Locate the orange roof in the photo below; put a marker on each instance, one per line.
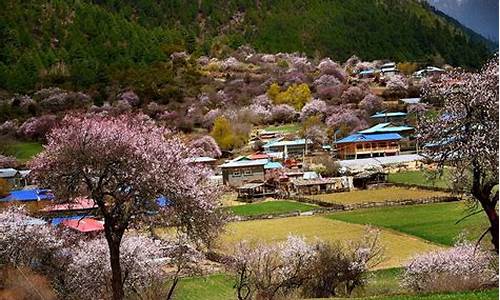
(256, 156)
(84, 225)
(79, 203)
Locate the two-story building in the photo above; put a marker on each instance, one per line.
(368, 145)
(238, 172)
(288, 148)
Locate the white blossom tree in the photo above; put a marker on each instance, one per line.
(464, 135)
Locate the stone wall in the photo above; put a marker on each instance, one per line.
(327, 207)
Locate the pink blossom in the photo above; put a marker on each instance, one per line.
(37, 127)
(462, 267)
(371, 103)
(206, 146)
(314, 108)
(124, 164)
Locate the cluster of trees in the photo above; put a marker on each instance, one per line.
(93, 45)
(295, 268)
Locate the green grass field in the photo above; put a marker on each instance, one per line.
(421, 178)
(398, 247)
(23, 151)
(479, 295)
(383, 283)
(433, 222)
(213, 287)
(286, 128)
(376, 195)
(270, 207)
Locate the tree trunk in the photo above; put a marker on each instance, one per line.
(116, 270)
(114, 241)
(492, 214)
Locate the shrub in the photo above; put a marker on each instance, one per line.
(460, 268)
(269, 271)
(288, 269)
(339, 269)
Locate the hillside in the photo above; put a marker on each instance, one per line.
(92, 44)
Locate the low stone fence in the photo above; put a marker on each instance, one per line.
(326, 207)
(400, 202)
(422, 187)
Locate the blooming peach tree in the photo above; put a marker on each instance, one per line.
(464, 135)
(462, 267)
(124, 164)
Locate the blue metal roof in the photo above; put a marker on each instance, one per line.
(385, 128)
(29, 195)
(369, 138)
(388, 114)
(369, 71)
(287, 143)
(273, 165)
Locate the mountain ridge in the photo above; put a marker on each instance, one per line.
(82, 43)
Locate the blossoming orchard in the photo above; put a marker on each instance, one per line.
(208, 169)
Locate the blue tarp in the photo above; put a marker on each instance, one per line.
(29, 195)
(57, 221)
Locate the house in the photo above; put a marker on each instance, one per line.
(388, 117)
(389, 69)
(389, 127)
(382, 164)
(238, 172)
(289, 148)
(33, 199)
(257, 189)
(370, 73)
(318, 185)
(16, 178)
(410, 101)
(368, 145)
(256, 156)
(428, 71)
(203, 160)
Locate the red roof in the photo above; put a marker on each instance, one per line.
(84, 225)
(78, 204)
(256, 156)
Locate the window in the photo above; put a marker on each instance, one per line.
(248, 173)
(236, 174)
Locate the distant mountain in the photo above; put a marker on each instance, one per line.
(94, 43)
(478, 15)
